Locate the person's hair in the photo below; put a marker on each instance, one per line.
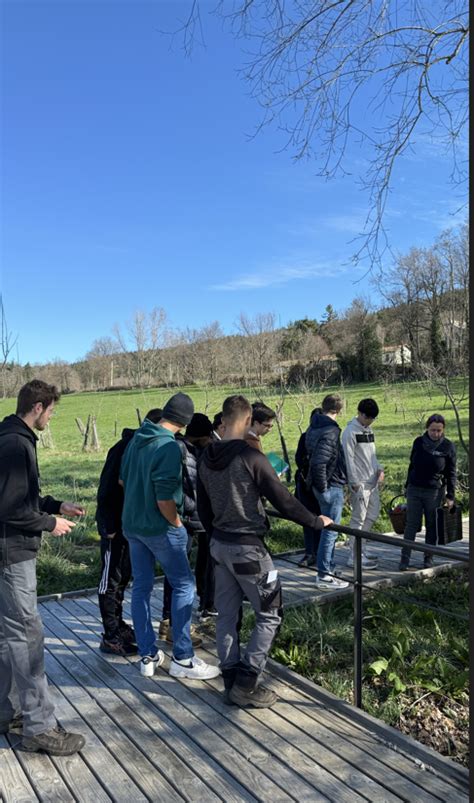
(235, 407)
(369, 407)
(262, 413)
(34, 392)
(155, 415)
(332, 403)
(217, 420)
(435, 419)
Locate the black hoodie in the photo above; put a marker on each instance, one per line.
(232, 478)
(24, 514)
(110, 494)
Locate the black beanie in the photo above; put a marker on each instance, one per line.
(179, 409)
(199, 427)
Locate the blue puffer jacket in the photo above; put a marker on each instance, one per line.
(326, 458)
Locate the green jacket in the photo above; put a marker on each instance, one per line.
(151, 471)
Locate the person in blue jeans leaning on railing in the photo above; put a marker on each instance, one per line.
(327, 477)
(151, 474)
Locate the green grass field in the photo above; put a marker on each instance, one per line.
(69, 473)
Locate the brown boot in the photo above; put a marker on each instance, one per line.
(55, 742)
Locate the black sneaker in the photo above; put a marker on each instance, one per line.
(117, 646)
(403, 566)
(206, 614)
(127, 633)
(55, 742)
(259, 697)
(428, 562)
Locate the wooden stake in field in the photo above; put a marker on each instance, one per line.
(91, 438)
(46, 439)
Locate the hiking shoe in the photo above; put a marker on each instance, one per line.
(193, 668)
(128, 634)
(259, 697)
(196, 640)
(428, 562)
(117, 646)
(367, 563)
(56, 742)
(328, 583)
(226, 697)
(149, 663)
(164, 628)
(14, 726)
(403, 566)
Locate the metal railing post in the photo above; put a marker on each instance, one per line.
(358, 621)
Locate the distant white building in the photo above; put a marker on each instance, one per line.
(396, 355)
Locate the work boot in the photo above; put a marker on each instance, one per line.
(14, 726)
(165, 633)
(258, 697)
(228, 676)
(55, 742)
(403, 565)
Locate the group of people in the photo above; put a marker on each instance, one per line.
(180, 476)
(328, 460)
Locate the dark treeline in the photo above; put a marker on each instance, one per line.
(423, 326)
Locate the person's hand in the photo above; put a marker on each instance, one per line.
(71, 509)
(324, 522)
(109, 536)
(380, 476)
(63, 526)
(450, 503)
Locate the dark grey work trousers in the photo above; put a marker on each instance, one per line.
(23, 684)
(421, 501)
(240, 571)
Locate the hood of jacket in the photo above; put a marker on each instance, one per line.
(319, 421)
(14, 425)
(127, 434)
(220, 454)
(150, 432)
(355, 426)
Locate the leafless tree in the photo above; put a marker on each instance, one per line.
(260, 345)
(141, 341)
(7, 344)
(313, 66)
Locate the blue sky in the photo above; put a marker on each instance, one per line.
(130, 180)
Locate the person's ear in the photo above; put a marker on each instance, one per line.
(248, 420)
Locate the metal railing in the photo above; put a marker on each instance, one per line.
(358, 586)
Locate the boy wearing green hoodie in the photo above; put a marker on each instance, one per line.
(151, 474)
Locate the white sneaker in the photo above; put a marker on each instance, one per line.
(328, 583)
(193, 668)
(150, 663)
(367, 563)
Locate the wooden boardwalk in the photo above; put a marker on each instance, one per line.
(299, 584)
(161, 739)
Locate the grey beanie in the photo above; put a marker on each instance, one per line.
(179, 409)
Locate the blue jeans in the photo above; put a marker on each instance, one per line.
(170, 550)
(331, 503)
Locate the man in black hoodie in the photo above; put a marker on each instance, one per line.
(232, 478)
(25, 704)
(118, 637)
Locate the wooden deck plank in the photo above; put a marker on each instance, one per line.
(349, 753)
(289, 779)
(95, 755)
(15, 786)
(44, 777)
(246, 765)
(382, 772)
(172, 771)
(192, 754)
